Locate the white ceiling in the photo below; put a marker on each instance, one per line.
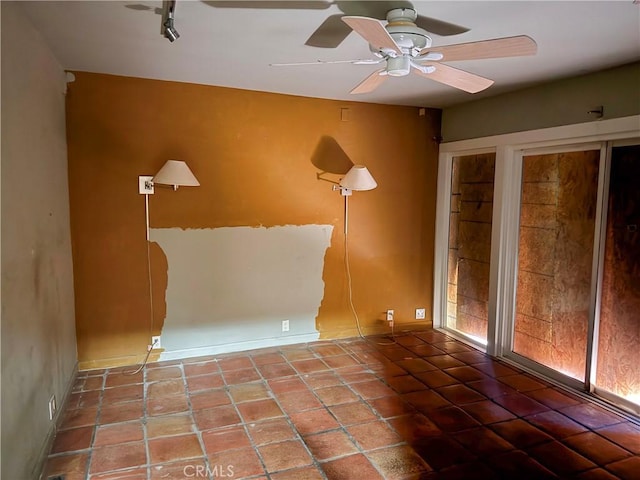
(233, 47)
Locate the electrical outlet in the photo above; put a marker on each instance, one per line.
(155, 342)
(420, 313)
(52, 407)
(285, 325)
(389, 315)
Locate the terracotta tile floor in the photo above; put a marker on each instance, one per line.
(426, 407)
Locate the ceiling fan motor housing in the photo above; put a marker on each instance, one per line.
(404, 31)
(399, 66)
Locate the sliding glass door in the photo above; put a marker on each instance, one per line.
(559, 199)
(617, 365)
(471, 207)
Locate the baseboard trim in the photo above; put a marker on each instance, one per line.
(238, 346)
(55, 424)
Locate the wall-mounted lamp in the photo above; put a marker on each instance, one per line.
(357, 179)
(175, 173)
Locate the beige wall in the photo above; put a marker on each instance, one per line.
(563, 102)
(38, 328)
(264, 161)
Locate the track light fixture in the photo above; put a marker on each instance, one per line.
(168, 30)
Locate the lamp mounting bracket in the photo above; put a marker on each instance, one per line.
(145, 185)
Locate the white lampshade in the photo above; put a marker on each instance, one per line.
(176, 173)
(358, 179)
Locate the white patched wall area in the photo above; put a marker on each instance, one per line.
(230, 288)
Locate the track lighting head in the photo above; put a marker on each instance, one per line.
(169, 30)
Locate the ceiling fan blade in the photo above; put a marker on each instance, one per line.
(364, 61)
(518, 46)
(370, 83)
(439, 27)
(283, 4)
(455, 77)
(330, 34)
(373, 32)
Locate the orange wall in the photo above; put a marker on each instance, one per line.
(257, 156)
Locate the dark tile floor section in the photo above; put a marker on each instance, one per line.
(426, 407)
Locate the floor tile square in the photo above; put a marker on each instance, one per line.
(270, 431)
(415, 427)
(235, 363)
(491, 388)
(298, 401)
(353, 467)
(591, 416)
(244, 375)
(388, 407)
(329, 445)
(304, 473)
(520, 404)
(276, 370)
(118, 379)
(167, 405)
(127, 393)
(314, 421)
(521, 434)
(72, 466)
(482, 441)
(194, 468)
(309, 366)
(204, 368)
(336, 395)
(552, 398)
(322, 380)
(555, 424)
(426, 401)
(228, 438)
(204, 382)
(284, 455)
(121, 412)
(452, 419)
(372, 389)
(374, 435)
(259, 410)
(624, 434)
(406, 384)
(268, 358)
(116, 433)
(626, 469)
(216, 417)
(237, 463)
(167, 425)
(487, 412)
(115, 457)
(523, 382)
(352, 413)
(596, 448)
(465, 373)
(398, 462)
(73, 439)
(209, 399)
(174, 386)
(436, 378)
(340, 361)
(169, 449)
(287, 385)
(460, 394)
(166, 373)
(246, 392)
(79, 417)
(445, 361)
(560, 459)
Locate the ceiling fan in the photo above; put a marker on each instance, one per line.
(406, 48)
(333, 30)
